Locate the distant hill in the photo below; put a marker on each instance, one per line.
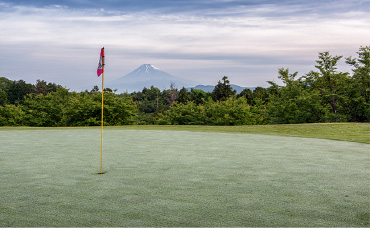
(210, 88)
(147, 75)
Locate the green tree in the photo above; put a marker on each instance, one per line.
(198, 96)
(3, 97)
(82, 109)
(360, 93)
(4, 87)
(42, 87)
(95, 89)
(260, 95)
(222, 90)
(5, 83)
(170, 95)
(184, 114)
(46, 110)
(11, 115)
(247, 94)
(149, 100)
(118, 110)
(18, 90)
(330, 83)
(63, 108)
(183, 96)
(294, 102)
(233, 111)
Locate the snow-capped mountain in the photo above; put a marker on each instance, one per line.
(147, 75)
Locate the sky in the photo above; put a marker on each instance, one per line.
(199, 40)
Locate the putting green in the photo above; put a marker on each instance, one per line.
(180, 178)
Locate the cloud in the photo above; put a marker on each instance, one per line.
(243, 39)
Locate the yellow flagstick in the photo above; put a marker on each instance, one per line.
(102, 123)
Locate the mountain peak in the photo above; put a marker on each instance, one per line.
(146, 69)
(147, 75)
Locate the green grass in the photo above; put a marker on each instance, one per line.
(352, 132)
(181, 178)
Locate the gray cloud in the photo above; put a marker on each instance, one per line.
(245, 38)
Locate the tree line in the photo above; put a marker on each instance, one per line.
(322, 95)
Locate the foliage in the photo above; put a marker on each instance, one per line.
(322, 95)
(181, 114)
(222, 90)
(199, 96)
(330, 83)
(17, 90)
(293, 103)
(149, 100)
(230, 112)
(183, 96)
(64, 108)
(171, 94)
(12, 115)
(233, 111)
(360, 91)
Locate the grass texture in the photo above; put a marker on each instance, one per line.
(180, 178)
(353, 132)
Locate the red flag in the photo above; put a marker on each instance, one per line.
(101, 63)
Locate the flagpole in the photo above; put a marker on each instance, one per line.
(102, 116)
(101, 136)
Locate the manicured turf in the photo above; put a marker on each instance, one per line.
(180, 178)
(352, 132)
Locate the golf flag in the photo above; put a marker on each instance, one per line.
(101, 72)
(101, 63)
